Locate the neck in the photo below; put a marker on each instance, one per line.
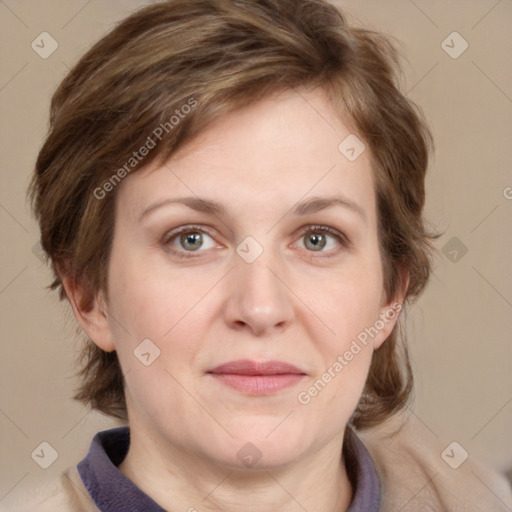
(178, 480)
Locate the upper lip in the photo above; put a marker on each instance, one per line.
(248, 367)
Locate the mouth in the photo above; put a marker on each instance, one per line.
(257, 378)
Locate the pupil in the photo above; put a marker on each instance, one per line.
(191, 241)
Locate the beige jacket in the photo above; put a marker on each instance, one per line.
(414, 476)
(417, 472)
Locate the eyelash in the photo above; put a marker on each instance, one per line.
(169, 237)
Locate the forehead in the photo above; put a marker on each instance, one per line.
(277, 151)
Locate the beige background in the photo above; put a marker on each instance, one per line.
(460, 332)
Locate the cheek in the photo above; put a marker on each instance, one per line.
(348, 304)
(150, 299)
(164, 311)
(170, 309)
(349, 301)
(336, 388)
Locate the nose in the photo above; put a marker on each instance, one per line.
(258, 300)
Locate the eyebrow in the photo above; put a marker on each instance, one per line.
(312, 205)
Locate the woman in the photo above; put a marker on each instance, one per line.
(231, 198)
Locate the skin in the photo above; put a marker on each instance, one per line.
(293, 304)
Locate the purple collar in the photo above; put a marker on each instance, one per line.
(367, 494)
(111, 491)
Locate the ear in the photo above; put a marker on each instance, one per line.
(390, 310)
(90, 312)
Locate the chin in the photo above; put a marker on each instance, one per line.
(253, 458)
(263, 447)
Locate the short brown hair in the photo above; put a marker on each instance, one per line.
(220, 55)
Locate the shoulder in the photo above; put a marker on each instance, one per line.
(66, 493)
(418, 472)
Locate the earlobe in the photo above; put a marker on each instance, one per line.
(390, 311)
(90, 312)
(386, 322)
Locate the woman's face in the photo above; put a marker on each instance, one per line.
(255, 247)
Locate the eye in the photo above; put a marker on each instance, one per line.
(189, 239)
(322, 239)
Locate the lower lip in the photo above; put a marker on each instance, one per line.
(258, 384)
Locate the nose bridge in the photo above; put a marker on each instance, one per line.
(258, 281)
(259, 299)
